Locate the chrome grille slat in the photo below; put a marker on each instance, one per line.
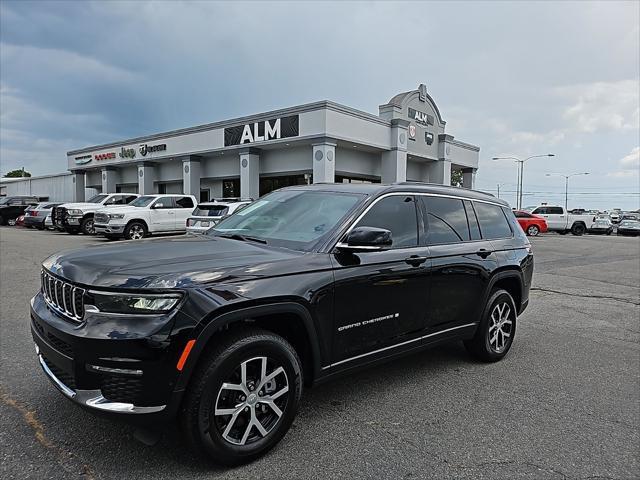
(63, 297)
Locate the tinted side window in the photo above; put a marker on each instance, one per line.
(540, 211)
(521, 215)
(184, 202)
(129, 199)
(493, 223)
(445, 220)
(474, 228)
(166, 202)
(554, 210)
(397, 214)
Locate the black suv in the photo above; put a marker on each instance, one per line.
(223, 330)
(14, 206)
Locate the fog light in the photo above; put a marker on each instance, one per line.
(119, 371)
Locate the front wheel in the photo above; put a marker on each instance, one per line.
(135, 231)
(533, 230)
(243, 397)
(88, 227)
(496, 330)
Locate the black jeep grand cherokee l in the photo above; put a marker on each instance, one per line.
(306, 283)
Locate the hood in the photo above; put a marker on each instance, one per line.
(121, 209)
(82, 205)
(174, 262)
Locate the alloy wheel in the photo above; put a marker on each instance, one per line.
(500, 327)
(251, 403)
(533, 230)
(89, 227)
(136, 232)
(11, 222)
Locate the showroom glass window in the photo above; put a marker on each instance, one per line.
(445, 220)
(493, 223)
(397, 214)
(184, 202)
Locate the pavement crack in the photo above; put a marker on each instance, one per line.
(580, 295)
(32, 421)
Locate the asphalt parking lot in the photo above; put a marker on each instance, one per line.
(563, 404)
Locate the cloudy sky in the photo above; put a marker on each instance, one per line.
(515, 78)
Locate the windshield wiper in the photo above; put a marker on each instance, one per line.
(244, 238)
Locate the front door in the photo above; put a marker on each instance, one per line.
(163, 215)
(461, 262)
(381, 296)
(555, 217)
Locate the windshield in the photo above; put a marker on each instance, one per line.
(142, 201)
(4, 200)
(630, 217)
(291, 218)
(97, 199)
(210, 211)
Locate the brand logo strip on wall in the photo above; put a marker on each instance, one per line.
(105, 156)
(82, 159)
(144, 148)
(275, 129)
(421, 118)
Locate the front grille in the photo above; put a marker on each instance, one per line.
(60, 374)
(58, 215)
(101, 218)
(63, 297)
(120, 388)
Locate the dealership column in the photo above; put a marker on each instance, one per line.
(78, 186)
(440, 172)
(394, 162)
(146, 177)
(324, 165)
(250, 173)
(469, 177)
(191, 176)
(108, 180)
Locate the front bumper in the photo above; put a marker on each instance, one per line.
(97, 366)
(199, 230)
(628, 231)
(108, 229)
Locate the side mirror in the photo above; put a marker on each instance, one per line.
(366, 239)
(158, 205)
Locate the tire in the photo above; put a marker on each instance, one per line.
(135, 231)
(11, 222)
(87, 226)
(578, 229)
(210, 434)
(609, 232)
(563, 232)
(500, 306)
(533, 230)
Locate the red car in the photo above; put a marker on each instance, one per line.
(530, 223)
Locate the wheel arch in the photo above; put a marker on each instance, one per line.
(509, 279)
(290, 320)
(146, 225)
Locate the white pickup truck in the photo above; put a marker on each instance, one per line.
(159, 213)
(78, 217)
(559, 220)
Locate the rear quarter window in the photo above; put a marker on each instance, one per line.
(445, 220)
(493, 221)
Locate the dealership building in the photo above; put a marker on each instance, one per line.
(313, 143)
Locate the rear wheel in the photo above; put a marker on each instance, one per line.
(578, 229)
(496, 330)
(11, 222)
(135, 231)
(243, 397)
(533, 230)
(88, 227)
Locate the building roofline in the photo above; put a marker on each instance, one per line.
(308, 107)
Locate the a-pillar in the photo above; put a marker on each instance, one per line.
(191, 176)
(394, 162)
(250, 173)
(78, 186)
(146, 177)
(324, 162)
(109, 180)
(440, 172)
(469, 177)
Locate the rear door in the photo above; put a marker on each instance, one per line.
(461, 262)
(162, 215)
(184, 209)
(381, 296)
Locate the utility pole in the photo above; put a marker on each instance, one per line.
(566, 185)
(521, 172)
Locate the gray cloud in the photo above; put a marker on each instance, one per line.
(515, 78)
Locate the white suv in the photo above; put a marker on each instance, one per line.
(207, 214)
(145, 215)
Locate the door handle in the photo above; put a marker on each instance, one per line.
(484, 253)
(415, 260)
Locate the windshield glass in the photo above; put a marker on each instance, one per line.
(142, 201)
(292, 218)
(630, 217)
(97, 199)
(4, 200)
(210, 211)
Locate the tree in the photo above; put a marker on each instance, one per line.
(19, 172)
(456, 178)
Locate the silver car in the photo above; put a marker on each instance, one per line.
(36, 217)
(629, 224)
(207, 214)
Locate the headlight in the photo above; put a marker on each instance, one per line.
(116, 215)
(135, 304)
(74, 212)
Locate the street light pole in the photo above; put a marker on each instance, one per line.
(521, 172)
(566, 185)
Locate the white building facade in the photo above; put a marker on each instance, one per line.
(251, 156)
